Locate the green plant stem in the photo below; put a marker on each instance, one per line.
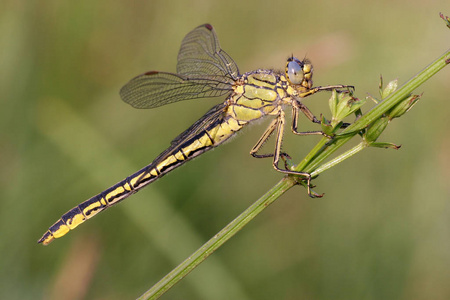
(309, 164)
(361, 146)
(218, 240)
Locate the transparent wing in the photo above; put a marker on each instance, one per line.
(214, 115)
(200, 54)
(154, 89)
(204, 70)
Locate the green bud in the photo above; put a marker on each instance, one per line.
(343, 105)
(375, 129)
(326, 127)
(380, 86)
(403, 107)
(446, 19)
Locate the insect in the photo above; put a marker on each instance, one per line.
(205, 70)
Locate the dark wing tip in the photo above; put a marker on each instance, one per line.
(208, 26)
(124, 92)
(149, 73)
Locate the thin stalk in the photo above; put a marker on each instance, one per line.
(339, 159)
(218, 240)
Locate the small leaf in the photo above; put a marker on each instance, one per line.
(385, 145)
(333, 102)
(389, 89)
(373, 98)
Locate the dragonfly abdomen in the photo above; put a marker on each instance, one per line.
(175, 156)
(87, 210)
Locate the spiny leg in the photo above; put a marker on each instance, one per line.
(327, 88)
(305, 110)
(278, 124)
(263, 139)
(298, 106)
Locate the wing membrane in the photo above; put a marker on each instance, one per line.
(200, 54)
(204, 70)
(154, 89)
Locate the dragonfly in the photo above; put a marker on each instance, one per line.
(204, 70)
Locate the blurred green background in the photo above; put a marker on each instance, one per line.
(382, 231)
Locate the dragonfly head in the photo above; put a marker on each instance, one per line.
(299, 72)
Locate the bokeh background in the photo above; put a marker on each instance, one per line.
(382, 231)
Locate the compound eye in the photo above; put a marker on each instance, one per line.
(294, 71)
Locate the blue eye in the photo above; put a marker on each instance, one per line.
(294, 70)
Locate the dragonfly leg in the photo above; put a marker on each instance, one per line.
(298, 106)
(349, 88)
(263, 140)
(279, 123)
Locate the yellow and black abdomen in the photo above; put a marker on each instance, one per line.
(205, 134)
(258, 96)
